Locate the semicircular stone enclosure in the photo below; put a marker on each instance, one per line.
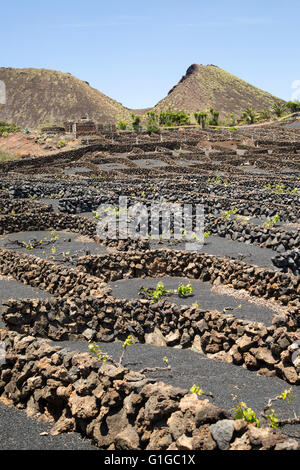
(144, 335)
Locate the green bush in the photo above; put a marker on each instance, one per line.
(214, 121)
(6, 129)
(152, 128)
(201, 119)
(170, 118)
(249, 116)
(136, 121)
(293, 106)
(152, 123)
(122, 125)
(61, 143)
(264, 115)
(278, 109)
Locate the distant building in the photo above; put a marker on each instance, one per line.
(85, 126)
(82, 127)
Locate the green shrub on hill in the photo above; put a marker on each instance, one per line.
(122, 125)
(6, 128)
(61, 143)
(201, 119)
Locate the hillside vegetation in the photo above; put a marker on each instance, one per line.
(40, 96)
(36, 96)
(208, 86)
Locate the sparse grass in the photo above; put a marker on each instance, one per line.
(215, 88)
(61, 143)
(6, 157)
(64, 101)
(6, 129)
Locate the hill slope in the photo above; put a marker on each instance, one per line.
(206, 86)
(37, 96)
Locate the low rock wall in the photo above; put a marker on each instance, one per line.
(268, 350)
(51, 277)
(260, 282)
(118, 408)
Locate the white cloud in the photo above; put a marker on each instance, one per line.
(296, 94)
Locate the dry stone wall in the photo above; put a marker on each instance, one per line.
(117, 408)
(51, 277)
(86, 310)
(267, 350)
(260, 282)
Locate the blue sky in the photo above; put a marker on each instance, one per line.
(135, 51)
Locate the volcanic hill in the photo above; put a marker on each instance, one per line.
(208, 86)
(40, 96)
